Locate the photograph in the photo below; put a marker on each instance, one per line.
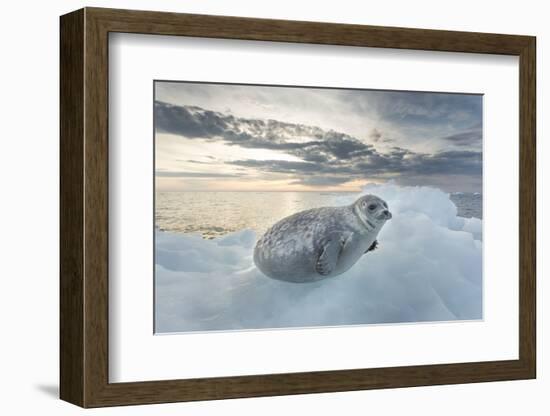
(281, 207)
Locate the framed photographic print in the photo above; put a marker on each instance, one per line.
(255, 207)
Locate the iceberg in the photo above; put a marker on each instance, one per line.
(428, 267)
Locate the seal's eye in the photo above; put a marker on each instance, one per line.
(372, 207)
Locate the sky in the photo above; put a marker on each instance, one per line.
(227, 137)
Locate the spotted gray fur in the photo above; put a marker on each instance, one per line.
(322, 242)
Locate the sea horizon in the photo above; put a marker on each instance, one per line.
(214, 214)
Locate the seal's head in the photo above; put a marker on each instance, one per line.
(372, 211)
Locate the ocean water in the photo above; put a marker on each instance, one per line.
(469, 204)
(215, 214)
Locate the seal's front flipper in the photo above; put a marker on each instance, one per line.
(332, 247)
(373, 246)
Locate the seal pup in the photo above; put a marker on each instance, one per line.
(322, 242)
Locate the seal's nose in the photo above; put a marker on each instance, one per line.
(387, 214)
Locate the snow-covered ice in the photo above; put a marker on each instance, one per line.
(428, 267)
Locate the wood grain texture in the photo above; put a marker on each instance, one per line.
(96, 208)
(528, 207)
(84, 207)
(162, 23)
(71, 219)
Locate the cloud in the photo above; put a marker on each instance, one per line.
(398, 163)
(417, 107)
(323, 180)
(467, 138)
(309, 142)
(280, 166)
(375, 135)
(337, 156)
(455, 162)
(172, 174)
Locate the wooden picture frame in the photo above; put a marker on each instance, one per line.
(84, 207)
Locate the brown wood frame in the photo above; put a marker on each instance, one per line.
(84, 207)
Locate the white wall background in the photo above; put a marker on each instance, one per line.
(29, 208)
